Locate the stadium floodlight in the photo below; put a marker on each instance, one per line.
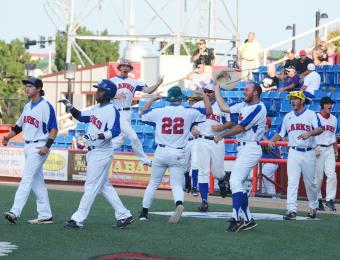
(293, 28)
(318, 17)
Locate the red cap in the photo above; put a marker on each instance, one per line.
(302, 52)
(268, 121)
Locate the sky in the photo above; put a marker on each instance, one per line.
(267, 18)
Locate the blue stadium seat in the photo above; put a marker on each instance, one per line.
(315, 107)
(81, 126)
(335, 96)
(230, 149)
(141, 104)
(320, 94)
(285, 107)
(240, 85)
(336, 108)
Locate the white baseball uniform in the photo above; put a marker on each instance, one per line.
(325, 162)
(253, 118)
(128, 86)
(101, 119)
(210, 153)
(36, 120)
(173, 124)
(301, 156)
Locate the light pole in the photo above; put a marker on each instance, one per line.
(70, 74)
(29, 70)
(318, 16)
(293, 28)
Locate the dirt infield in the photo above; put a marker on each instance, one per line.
(167, 195)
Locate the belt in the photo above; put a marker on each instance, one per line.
(192, 138)
(90, 148)
(162, 145)
(302, 149)
(31, 142)
(206, 137)
(124, 109)
(244, 143)
(324, 145)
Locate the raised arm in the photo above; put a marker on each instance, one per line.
(148, 104)
(154, 87)
(220, 101)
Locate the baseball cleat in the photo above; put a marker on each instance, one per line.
(321, 206)
(174, 219)
(311, 213)
(11, 217)
(122, 223)
(330, 205)
(143, 216)
(235, 226)
(194, 192)
(223, 187)
(249, 225)
(40, 221)
(72, 224)
(204, 206)
(290, 216)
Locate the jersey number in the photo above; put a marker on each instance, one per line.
(172, 126)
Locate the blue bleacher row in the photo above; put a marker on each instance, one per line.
(276, 103)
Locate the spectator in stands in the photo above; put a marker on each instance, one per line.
(292, 61)
(332, 55)
(292, 80)
(203, 55)
(66, 124)
(303, 62)
(271, 82)
(198, 75)
(320, 56)
(311, 82)
(249, 57)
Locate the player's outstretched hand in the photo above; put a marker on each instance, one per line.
(5, 141)
(66, 102)
(160, 81)
(271, 144)
(89, 137)
(217, 138)
(120, 96)
(304, 136)
(43, 150)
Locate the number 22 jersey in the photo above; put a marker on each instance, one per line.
(173, 123)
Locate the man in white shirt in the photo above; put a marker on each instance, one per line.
(311, 82)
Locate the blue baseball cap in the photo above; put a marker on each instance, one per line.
(33, 81)
(175, 94)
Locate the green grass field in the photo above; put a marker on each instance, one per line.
(190, 239)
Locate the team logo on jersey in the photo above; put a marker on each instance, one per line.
(125, 85)
(299, 127)
(214, 117)
(31, 120)
(329, 128)
(94, 120)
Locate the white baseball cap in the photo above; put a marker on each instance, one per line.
(311, 67)
(209, 86)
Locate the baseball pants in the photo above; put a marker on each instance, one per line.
(268, 170)
(301, 162)
(247, 157)
(33, 178)
(166, 158)
(325, 163)
(97, 181)
(209, 152)
(128, 132)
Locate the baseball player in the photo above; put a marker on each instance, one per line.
(39, 126)
(300, 125)
(326, 153)
(173, 125)
(268, 169)
(191, 182)
(210, 153)
(249, 131)
(103, 120)
(123, 100)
